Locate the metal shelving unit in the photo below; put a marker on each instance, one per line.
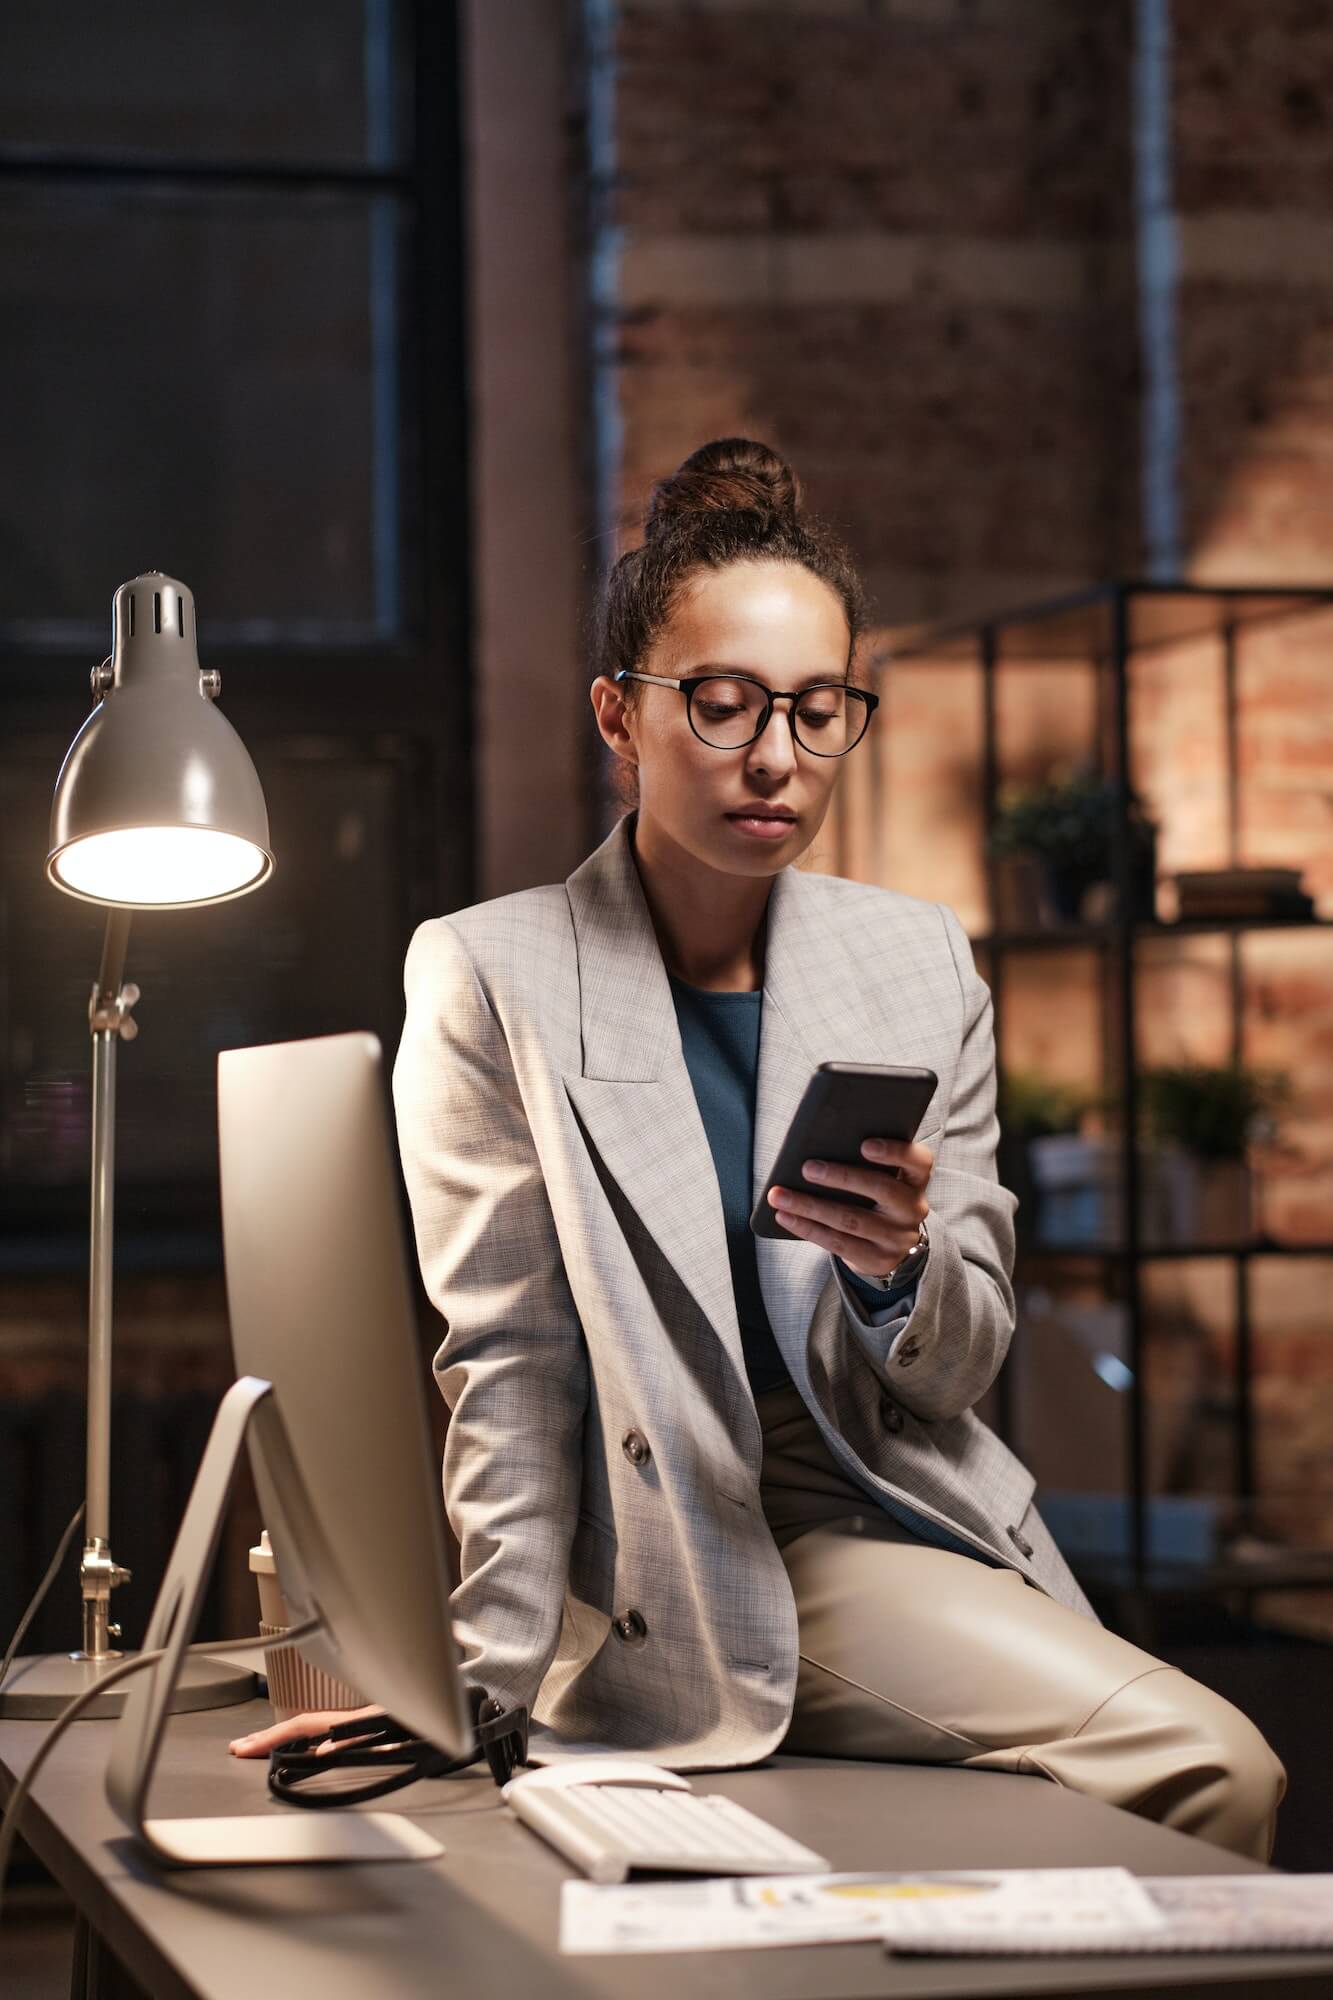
(1107, 626)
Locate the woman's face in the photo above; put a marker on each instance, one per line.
(775, 623)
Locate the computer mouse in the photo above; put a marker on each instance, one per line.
(570, 1771)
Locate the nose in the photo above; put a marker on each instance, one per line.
(775, 745)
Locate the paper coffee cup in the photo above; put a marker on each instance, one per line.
(294, 1685)
(264, 1569)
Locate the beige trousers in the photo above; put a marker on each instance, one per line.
(909, 1652)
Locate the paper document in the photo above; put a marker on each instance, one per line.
(721, 1914)
(1244, 1912)
(1024, 1909)
(1031, 1912)
(733, 1912)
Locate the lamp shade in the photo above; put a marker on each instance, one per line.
(157, 803)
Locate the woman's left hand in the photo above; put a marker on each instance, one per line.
(870, 1241)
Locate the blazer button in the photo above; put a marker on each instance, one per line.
(907, 1354)
(1020, 1542)
(630, 1627)
(636, 1447)
(892, 1415)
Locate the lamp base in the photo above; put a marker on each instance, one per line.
(40, 1686)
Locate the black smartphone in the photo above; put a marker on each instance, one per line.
(844, 1104)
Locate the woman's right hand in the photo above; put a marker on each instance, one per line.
(315, 1722)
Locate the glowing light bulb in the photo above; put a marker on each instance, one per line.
(152, 865)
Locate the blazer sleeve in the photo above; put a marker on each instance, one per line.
(513, 1363)
(939, 1349)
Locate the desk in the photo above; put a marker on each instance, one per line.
(482, 1922)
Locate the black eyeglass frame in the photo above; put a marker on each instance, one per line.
(693, 682)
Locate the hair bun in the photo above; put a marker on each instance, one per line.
(729, 475)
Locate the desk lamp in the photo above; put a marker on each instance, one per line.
(157, 806)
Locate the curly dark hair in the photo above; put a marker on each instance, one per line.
(732, 500)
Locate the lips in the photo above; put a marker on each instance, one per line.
(762, 812)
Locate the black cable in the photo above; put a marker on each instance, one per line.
(399, 1757)
(19, 1796)
(40, 1593)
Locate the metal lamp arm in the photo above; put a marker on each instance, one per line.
(109, 1019)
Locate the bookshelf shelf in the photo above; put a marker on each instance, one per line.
(1063, 936)
(1169, 1252)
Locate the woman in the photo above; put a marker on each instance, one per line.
(714, 1493)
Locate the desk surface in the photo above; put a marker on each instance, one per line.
(482, 1922)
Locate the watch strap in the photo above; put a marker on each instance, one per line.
(907, 1267)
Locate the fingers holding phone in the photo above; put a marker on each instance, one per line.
(869, 1240)
(857, 1122)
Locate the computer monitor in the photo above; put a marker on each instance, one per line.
(332, 1395)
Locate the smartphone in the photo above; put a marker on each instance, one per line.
(844, 1103)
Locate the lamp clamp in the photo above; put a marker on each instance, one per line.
(110, 1013)
(99, 1574)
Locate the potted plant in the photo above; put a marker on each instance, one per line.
(1071, 1167)
(1067, 827)
(1034, 1105)
(1200, 1122)
(1057, 1174)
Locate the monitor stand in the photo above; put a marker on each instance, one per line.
(275, 1833)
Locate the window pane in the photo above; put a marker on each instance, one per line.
(205, 385)
(180, 78)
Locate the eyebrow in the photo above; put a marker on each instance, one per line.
(748, 673)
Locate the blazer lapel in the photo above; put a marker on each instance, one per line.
(634, 1096)
(814, 1011)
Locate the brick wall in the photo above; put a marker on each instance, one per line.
(1253, 155)
(883, 238)
(897, 239)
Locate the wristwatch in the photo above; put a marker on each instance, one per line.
(907, 1267)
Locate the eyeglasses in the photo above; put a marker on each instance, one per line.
(727, 711)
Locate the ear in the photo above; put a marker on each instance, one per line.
(613, 718)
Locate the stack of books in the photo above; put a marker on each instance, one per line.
(1243, 892)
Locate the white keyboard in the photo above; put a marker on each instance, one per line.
(606, 1830)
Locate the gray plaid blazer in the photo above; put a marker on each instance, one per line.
(601, 1469)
